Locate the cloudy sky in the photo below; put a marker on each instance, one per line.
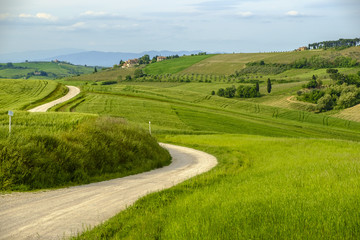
(208, 25)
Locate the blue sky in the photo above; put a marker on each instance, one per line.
(208, 25)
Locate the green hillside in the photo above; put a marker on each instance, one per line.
(289, 168)
(229, 63)
(174, 65)
(41, 70)
(283, 173)
(25, 94)
(47, 150)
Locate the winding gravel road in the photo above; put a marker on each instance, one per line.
(65, 212)
(73, 91)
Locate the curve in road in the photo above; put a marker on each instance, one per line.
(65, 212)
(73, 91)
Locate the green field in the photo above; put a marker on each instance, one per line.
(263, 188)
(175, 65)
(47, 150)
(229, 63)
(20, 94)
(51, 70)
(283, 172)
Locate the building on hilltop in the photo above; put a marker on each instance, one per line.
(160, 58)
(131, 63)
(302, 49)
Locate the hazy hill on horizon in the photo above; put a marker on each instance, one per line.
(89, 58)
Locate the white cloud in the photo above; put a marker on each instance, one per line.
(245, 14)
(24, 15)
(93, 14)
(44, 16)
(293, 13)
(73, 27)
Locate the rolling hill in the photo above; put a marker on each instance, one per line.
(283, 172)
(42, 70)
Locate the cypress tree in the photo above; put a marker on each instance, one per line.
(269, 85)
(257, 87)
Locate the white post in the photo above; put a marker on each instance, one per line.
(9, 125)
(150, 127)
(10, 113)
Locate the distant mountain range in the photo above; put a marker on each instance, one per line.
(89, 58)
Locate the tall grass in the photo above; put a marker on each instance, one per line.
(94, 150)
(19, 94)
(262, 188)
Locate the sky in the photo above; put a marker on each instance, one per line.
(206, 25)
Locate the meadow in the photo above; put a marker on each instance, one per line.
(20, 94)
(51, 70)
(175, 65)
(263, 188)
(283, 172)
(49, 150)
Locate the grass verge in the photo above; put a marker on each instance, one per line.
(94, 150)
(263, 188)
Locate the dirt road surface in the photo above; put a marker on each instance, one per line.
(64, 212)
(73, 91)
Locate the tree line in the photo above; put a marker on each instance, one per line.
(242, 91)
(341, 43)
(314, 62)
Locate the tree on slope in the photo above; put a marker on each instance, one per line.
(269, 85)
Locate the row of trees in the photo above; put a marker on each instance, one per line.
(341, 43)
(320, 62)
(141, 77)
(314, 62)
(242, 91)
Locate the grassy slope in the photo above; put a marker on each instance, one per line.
(263, 188)
(59, 69)
(270, 182)
(57, 149)
(187, 107)
(174, 65)
(106, 75)
(229, 63)
(21, 94)
(61, 149)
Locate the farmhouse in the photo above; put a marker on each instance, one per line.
(302, 49)
(160, 58)
(131, 63)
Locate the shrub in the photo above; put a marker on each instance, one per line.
(97, 149)
(325, 103)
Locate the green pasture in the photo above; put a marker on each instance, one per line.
(187, 108)
(53, 69)
(174, 65)
(262, 188)
(21, 94)
(283, 172)
(229, 63)
(47, 150)
(117, 74)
